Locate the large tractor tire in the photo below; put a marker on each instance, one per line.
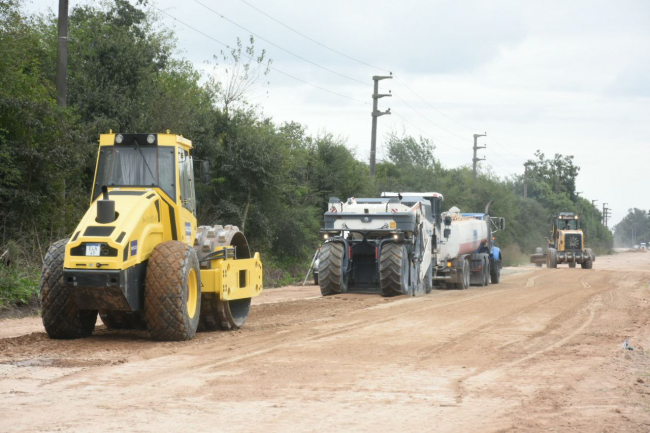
(332, 278)
(123, 319)
(539, 250)
(217, 314)
(61, 318)
(172, 296)
(572, 264)
(588, 262)
(551, 258)
(394, 269)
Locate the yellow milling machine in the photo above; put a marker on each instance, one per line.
(138, 259)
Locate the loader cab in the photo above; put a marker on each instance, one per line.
(129, 163)
(567, 221)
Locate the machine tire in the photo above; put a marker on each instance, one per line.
(61, 318)
(588, 263)
(572, 264)
(551, 258)
(539, 250)
(217, 314)
(486, 272)
(172, 296)
(428, 282)
(464, 284)
(315, 279)
(330, 266)
(495, 274)
(394, 269)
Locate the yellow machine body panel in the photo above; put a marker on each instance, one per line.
(562, 243)
(233, 278)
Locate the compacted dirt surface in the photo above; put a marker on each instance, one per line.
(543, 350)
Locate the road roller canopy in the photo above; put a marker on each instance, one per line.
(141, 160)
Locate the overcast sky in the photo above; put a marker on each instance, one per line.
(570, 77)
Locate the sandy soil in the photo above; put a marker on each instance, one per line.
(540, 351)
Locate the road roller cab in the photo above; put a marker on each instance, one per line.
(138, 259)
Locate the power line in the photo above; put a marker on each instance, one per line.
(363, 63)
(271, 67)
(428, 120)
(313, 40)
(425, 134)
(280, 48)
(434, 108)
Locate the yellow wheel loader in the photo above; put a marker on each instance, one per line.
(138, 259)
(566, 245)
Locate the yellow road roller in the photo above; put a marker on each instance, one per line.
(138, 259)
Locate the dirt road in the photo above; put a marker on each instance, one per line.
(540, 351)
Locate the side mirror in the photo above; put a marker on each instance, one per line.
(447, 232)
(447, 221)
(502, 224)
(205, 172)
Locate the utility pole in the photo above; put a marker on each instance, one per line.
(593, 202)
(375, 114)
(475, 159)
(525, 179)
(62, 56)
(606, 214)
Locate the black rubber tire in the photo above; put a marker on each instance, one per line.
(588, 263)
(572, 264)
(332, 277)
(486, 272)
(465, 270)
(61, 318)
(167, 292)
(551, 258)
(495, 274)
(123, 319)
(394, 269)
(315, 279)
(428, 280)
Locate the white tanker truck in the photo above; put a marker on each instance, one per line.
(403, 243)
(463, 250)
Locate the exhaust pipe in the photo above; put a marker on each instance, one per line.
(105, 208)
(487, 207)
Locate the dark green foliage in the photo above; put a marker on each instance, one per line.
(633, 229)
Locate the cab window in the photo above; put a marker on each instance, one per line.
(186, 175)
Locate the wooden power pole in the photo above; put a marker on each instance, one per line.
(62, 56)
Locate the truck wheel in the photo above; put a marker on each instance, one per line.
(172, 295)
(551, 258)
(495, 274)
(572, 264)
(394, 270)
(315, 279)
(588, 263)
(486, 272)
(539, 250)
(465, 276)
(61, 318)
(330, 266)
